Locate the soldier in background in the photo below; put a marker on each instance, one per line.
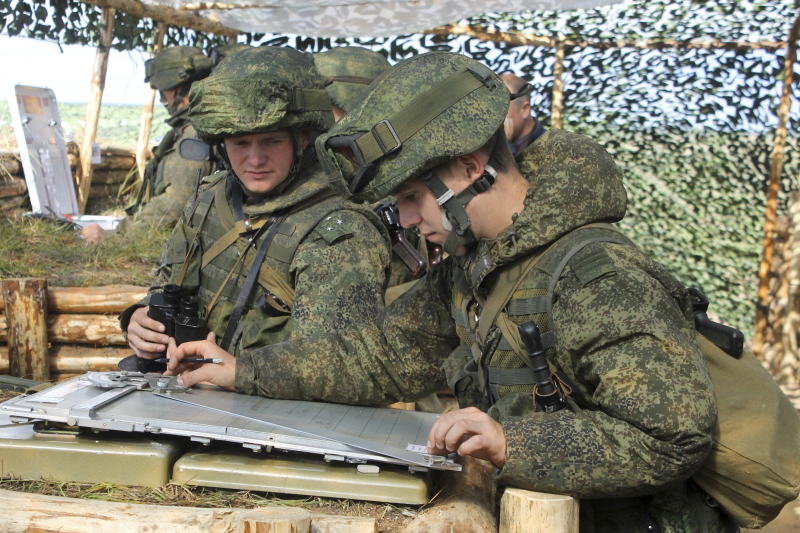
(169, 180)
(350, 70)
(522, 127)
(218, 53)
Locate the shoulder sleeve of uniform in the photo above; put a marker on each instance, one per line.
(341, 225)
(591, 263)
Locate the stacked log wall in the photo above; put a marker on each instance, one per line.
(82, 329)
(116, 162)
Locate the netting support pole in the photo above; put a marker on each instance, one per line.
(762, 310)
(147, 109)
(556, 116)
(93, 106)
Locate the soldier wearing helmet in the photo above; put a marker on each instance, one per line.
(530, 243)
(348, 71)
(269, 251)
(169, 180)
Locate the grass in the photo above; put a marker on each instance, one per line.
(44, 249)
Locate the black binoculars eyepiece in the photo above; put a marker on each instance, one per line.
(180, 316)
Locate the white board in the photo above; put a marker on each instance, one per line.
(43, 151)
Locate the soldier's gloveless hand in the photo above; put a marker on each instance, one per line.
(471, 432)
(146, 336)
(220, 374)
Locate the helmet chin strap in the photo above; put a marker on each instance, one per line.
(454, 213)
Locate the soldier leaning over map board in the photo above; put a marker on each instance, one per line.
(318, 262)
(620, 332)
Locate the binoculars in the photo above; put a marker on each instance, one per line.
(180, 316)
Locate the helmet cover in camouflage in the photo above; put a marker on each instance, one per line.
(175, 66)
(419, 85)
(260, 90)
(218, 53)
(349, 71)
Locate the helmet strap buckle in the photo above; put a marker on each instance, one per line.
(298, 99)
(395, 137)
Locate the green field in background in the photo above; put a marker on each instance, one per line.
(118, 124)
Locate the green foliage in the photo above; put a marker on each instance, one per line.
(73, 22)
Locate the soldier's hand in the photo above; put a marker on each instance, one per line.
(146, 336)
(93, 233)
(220, 374)
(469, 432)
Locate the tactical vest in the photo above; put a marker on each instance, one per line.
(153, 183)
(499, 367)
(221, 271)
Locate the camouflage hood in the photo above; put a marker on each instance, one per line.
(573, 182)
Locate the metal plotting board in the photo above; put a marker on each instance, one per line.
(339, 432)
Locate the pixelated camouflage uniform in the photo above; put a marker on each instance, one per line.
(170, 178)
(349, 71)
(174, 178)
(327, 261)
(625, 338)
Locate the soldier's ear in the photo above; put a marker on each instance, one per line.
(305, 138)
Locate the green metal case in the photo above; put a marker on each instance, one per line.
(245, 470)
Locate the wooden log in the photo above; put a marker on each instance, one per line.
(146, 121)
(106, 300)
(528, 39)
(13, 202)
(109, 177)
(85, 329)
(10, 166)
(772, 193)
(26, 319)
(556, 117)
(466, 504)
(99, 190)
(12, 187)
(524, 511)
(93, 107)
(77, 360)
(168, 15)
(325, 523)
(34, 513)
(274, 520)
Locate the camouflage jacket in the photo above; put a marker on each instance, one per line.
(327, 262)
(173, 178)
(625, 338)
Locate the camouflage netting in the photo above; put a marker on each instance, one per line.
(692, 128)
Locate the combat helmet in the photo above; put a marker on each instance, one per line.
(218, 53)
(179, 65)
(423, 112)
(260, 90)
(348, 71)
